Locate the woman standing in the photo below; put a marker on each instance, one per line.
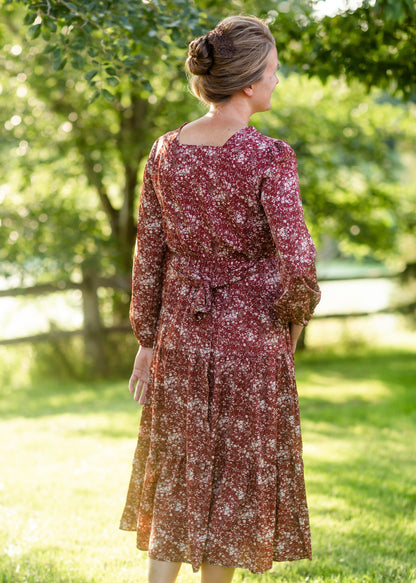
(223, 282)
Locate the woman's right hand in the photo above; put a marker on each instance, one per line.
(140, 375)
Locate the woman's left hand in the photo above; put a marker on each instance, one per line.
(295, 332)
(140, 375)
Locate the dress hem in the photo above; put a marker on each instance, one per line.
(228, 564)
(222, 564)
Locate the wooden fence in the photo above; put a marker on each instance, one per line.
(54, 334)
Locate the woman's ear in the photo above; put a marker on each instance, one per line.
(248, 90)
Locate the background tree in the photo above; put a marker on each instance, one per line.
(89, 86)
(72, 150)
(373, 44)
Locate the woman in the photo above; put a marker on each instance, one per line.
(223, 282)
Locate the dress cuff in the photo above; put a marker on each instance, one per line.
(297, 303)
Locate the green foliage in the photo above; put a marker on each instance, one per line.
(373, 44)
(110, 40)
(349, 146)
(86, 87)
(71, 166)
(395, 10)
(35, 222)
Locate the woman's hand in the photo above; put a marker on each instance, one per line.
(295, 332)
(140, 375)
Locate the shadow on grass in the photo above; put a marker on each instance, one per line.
(395, 370)
(360, 477)
(392, 372)
(396, 367)
(362, 515)
(102, 408)
(58, 398)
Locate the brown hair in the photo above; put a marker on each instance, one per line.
(229, 58)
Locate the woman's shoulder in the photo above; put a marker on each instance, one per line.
(274, 148)
(164, 141)
(160, 147)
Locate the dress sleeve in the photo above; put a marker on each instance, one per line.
(149, 253)
(282, 204)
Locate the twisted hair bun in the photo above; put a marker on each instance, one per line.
(232, 56)
(200, 57)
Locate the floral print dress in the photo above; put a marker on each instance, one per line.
(223, 263)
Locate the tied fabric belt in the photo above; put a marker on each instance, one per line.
(207, 274)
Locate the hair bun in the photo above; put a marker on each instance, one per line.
(200, 58)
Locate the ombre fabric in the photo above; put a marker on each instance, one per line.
(223, 263)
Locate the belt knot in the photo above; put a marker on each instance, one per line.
(207, 274)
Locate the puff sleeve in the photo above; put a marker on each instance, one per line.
(280, 198)
(147, 277)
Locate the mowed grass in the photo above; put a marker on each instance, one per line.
(66, 451)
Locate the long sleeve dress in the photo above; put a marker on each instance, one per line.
(223, 263)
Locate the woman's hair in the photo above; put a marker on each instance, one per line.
(229, 58)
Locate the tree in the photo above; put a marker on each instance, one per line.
(373, 44)
(67, 145)
(350, 158)
(95, 84)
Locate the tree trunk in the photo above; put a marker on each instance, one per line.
(93, 329)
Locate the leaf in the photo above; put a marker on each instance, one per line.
(71, 6)
(111, 71)
(147, 85)
(28, 18)
(134, 76)
(95, 95)
(77, 61)
(86, 29)
(107, 95)
(92, 52)
(90, 75)
(46, 34)
(34, 31)
(59, 65)
(49, 24)
(113, 81)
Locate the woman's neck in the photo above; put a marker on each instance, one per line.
(234, 112)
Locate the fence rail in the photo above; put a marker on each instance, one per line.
(59, 334)
(405, 309)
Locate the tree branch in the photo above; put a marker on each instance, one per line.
(95, 180)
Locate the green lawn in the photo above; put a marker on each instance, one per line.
(65, 460)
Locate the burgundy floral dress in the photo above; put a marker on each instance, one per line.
(223, 263)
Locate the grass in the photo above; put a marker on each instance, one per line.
(66, 450)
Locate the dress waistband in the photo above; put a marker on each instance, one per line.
(207, 274)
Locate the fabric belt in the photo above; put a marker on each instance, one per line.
(207, 274)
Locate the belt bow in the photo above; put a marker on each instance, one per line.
(208, 274)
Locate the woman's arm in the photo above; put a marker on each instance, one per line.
(282, 204)
(148, 261)
(147, 280)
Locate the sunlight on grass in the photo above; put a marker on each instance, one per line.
(66, 455)
(340, 390)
